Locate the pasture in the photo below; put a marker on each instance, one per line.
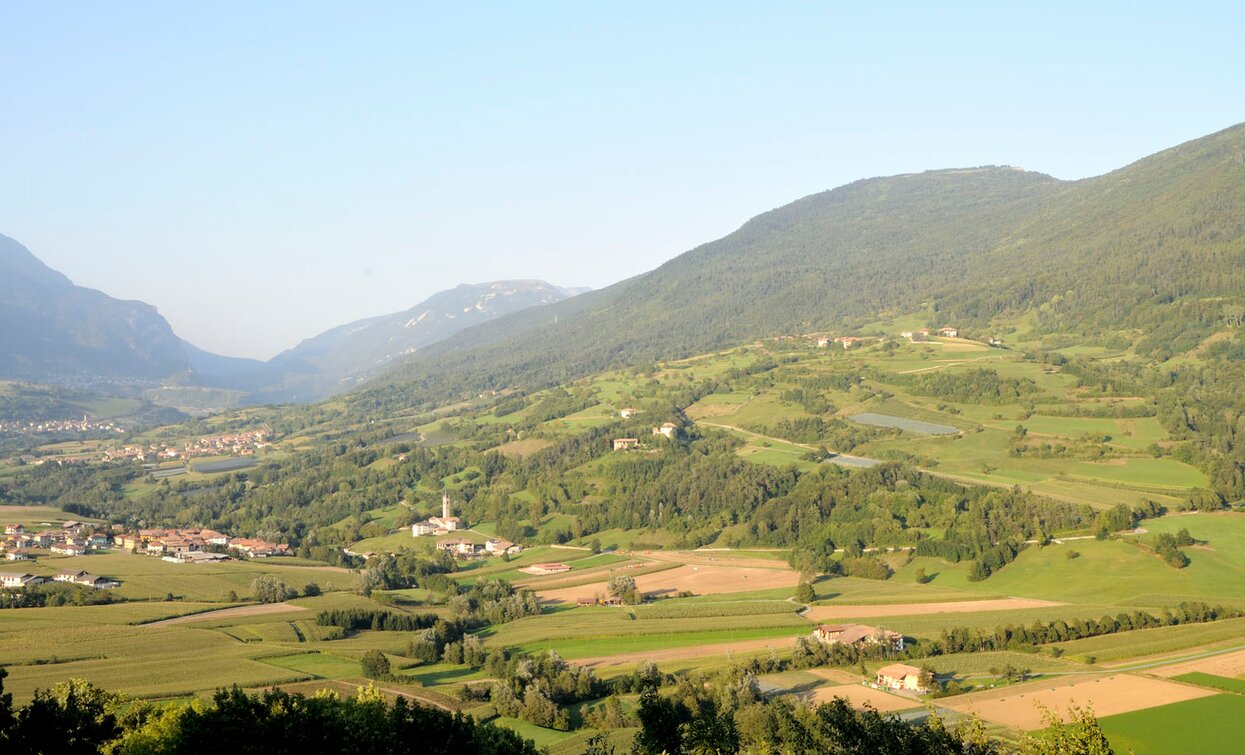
(1209, 725)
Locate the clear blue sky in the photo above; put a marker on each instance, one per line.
(263, 171)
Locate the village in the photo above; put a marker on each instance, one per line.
(46, 426)
(75, 538)
(460, 547)
(236, 444)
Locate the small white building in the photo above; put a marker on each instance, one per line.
(627, 412)
(667, 429)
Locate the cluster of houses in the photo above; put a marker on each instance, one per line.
(667, 430)
(84, 425)
(236, 444)
(438, 525)
(924, 333)
(846, 342)
(21, 580)
(896, 676)
(196, 545)
(460, 547)
(73, 538)
(464, 548)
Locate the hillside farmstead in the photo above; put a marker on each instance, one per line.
(858, 635)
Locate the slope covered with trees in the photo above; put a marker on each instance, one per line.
(1155, 247)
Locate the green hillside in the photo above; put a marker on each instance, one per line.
(1150, 254)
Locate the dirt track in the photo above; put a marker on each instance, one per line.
(700, 580)
(822, 613)
(1021, 706)
(695, 651)
(262, 609)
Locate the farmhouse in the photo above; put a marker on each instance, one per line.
(901, 676)
(69, 549)
(256, 548)
(627, 412)
(19, 580)
(18, 556)
(86, 579)
(460, 547)
(548, 568)
(849, 341)
(14, 529)
(949, 332)
(667, 429)
(498, 547)
(823, 343)
(423, 528)
(622, 444)
(858, 635)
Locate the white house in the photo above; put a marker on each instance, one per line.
(667, 429)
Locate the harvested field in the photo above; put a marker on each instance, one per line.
(821, 613)
(836, 675)
(517, 449)
(700, 580)
(696, 651)
(240, 612)
(860, 696)
(1228, 664)
(1021, 706)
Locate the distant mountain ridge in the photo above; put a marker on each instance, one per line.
(51, 328)
(1157, 247)
(343, 357)
(52, 331)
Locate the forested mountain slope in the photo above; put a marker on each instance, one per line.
(1157, 246)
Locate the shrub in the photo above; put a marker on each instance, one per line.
(375, 665)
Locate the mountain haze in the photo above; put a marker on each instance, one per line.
(1129, 249)
(342, 357)
(52, 329)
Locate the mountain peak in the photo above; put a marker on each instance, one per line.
(19, 264)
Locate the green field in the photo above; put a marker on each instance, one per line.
(1208, 726)
(1224, 683)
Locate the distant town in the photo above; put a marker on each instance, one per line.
(48, 426)
(229, 444)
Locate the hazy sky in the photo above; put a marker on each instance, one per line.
(263, 171)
